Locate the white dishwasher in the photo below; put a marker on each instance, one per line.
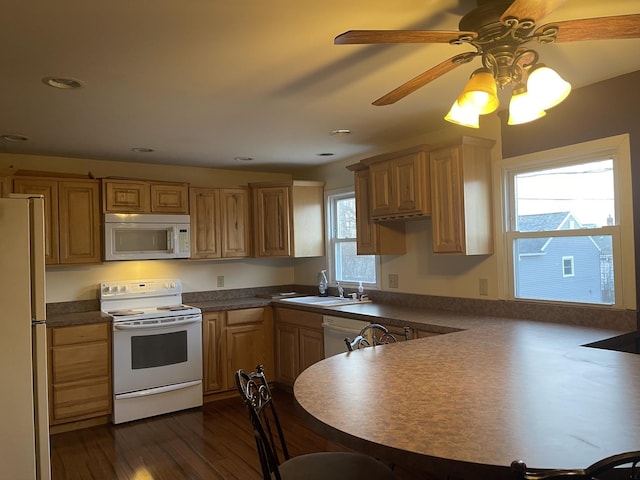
(336, 329)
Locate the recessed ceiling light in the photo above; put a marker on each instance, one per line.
(142, 149)
(63, 83)
(325, 154)
(243, 159)
(9, 137)
(341, 131)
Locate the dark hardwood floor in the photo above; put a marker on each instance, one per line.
(212, 442)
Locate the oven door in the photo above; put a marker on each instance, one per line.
(156, 352)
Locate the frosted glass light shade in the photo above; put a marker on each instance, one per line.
(463, 115)
(480, 93)
(547, 86)
(524, 107)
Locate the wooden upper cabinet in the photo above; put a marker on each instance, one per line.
(205, 222)
(48, 188)
(140, 196)
(219, 222)
(236, 238)
(373, 238)
(125, 196)
(79, 216)
(461, 193)
(5, 186)
(288, 219)
(400, 184)
(169, 198)
(72, 217)
(272, 222)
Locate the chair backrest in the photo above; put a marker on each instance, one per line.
(373, 334)
(621, 466)
(256, 395)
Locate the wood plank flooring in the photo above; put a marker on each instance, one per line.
(213, 442)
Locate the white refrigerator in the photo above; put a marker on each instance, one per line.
(24, 418)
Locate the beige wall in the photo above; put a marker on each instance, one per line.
(70, 283)
(419, 270)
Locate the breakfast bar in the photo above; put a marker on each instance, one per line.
(465, 404)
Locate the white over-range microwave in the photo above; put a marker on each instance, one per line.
(146, 236)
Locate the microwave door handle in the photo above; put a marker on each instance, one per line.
(170, 239)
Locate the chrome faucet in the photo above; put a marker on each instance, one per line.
(340, 290)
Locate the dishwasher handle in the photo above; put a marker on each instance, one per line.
(337, 328)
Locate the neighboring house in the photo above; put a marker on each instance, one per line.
(581, 266)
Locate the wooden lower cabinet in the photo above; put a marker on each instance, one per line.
(212, 380)
(79, 373)
(299, 343)
(232, 340)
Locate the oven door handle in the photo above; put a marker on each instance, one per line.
(149, 326)
(155, 391)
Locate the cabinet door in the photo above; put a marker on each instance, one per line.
(235, 222)
(79, 214)
(447, 220)
(126, 196)
(311, 347)
(205, 223)
(411, 184)
(381, 189)
(374, 238)
(48, 188)
(212, 352)
(5, 186)
(169, 198)
(272, 222)
(287, 353)
(249, 341)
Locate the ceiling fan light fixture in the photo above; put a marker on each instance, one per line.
(524, 107)
(466, 115)
(481, 92)
(547, 86)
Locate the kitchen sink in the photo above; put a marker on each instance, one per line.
(324, 301)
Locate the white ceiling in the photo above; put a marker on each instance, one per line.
(205, 81)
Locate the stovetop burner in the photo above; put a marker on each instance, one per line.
(122, 313)
(144, 299)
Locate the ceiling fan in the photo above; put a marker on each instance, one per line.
(498, 30)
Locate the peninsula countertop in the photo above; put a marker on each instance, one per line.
(471, 401)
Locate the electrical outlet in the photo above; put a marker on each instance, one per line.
(394, 281)
(483, 286)
(220, 280)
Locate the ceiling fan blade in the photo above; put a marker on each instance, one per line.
(531, 9)
(424, 78)
(401, 36)
(602, 28)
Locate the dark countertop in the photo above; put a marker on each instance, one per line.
(77, 318)
(474, 400)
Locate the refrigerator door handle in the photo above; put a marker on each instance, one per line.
(38, 298)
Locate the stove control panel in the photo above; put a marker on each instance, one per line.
(140, 288)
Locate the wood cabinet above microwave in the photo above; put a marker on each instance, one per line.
(141, 196)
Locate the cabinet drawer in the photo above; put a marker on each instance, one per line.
(247, 315)
(79, 362)
(95, 332)
(80, 399)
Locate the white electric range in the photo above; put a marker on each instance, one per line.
(157, 348)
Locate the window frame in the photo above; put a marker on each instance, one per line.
(618, 149)
(572, 273)
(331, 196)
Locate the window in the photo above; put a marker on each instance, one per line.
(566, 231)
(567, 267)
(346, 266)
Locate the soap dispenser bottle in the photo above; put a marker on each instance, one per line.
(323, 284)
(360, 290)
